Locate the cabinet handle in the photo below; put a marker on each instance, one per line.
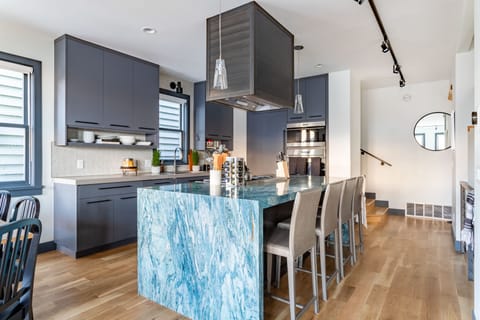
(86, 122)
(117, 187)
(228, 137)
(119, 125)
(126, 198)
(318, 116)
(294, 118)
(159, 183)
(145, 128)
(98, 201)
(212, 135)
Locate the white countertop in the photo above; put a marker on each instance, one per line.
(95, 179)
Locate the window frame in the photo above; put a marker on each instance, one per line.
(32, 185)
(185, 120)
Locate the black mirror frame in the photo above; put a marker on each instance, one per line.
(424, 116)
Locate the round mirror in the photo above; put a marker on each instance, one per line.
(432, 131)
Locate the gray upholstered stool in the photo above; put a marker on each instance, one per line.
(346, 216)
(295, 242)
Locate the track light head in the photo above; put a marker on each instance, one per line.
(385, 46)
(402, 83)
(359, 1)
(396, 68)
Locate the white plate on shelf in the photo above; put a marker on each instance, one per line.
(143, 143)
(74, 140)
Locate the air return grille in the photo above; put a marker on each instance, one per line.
(431, 211)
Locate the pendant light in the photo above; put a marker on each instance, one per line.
(298, 107)
(220, 77)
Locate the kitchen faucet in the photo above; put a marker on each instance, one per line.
(175, 159)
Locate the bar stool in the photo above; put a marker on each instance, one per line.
(327, 224)
(345, 215)
(358, 201)
(293, 243)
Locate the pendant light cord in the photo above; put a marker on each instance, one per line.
(220, 29)
(298, 66)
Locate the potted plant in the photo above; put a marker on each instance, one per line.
(195, 159)
(156, 163)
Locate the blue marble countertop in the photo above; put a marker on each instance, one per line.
(268, 193)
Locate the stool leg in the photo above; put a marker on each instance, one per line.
(313, 259)
(337, 250)
(323, 268)
(278, 267)
(291, 286)
(353, 251)
(339, 247)
(269, 272)
(360, 232)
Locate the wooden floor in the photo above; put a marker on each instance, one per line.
(409, 270)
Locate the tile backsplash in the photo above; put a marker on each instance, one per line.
(96, 160)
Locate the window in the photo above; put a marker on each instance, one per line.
(20, 125)
(173, 124)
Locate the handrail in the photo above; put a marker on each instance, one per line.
(382, 162)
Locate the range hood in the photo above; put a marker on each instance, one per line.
(258, 53)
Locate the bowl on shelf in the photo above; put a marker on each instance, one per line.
(127, 140)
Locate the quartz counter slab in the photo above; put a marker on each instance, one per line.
(96, 179)
(200, 249)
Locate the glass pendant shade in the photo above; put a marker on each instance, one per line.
(298, 107)
(220, 77)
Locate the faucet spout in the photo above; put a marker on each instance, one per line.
(175, 159)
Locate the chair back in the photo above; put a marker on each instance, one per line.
(330, 206)
(18, 257)
(357, 200)
(346, 202)
(302, 228)
(5, 197)
(26, 208)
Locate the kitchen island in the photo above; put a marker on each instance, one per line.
(200, 248)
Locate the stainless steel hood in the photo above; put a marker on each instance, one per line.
(258, 53)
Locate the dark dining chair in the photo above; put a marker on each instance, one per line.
(26, 208)
(5, 197)
(18, 257)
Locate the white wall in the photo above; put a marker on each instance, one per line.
(30, 43)
(355, 126)
(417, 175)
(464, 105)
(339, 121)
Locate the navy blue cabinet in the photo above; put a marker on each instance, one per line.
(265, 139)
(212, 120)
(314, 91)
(117, 91)
(99, 88)
(79, 78)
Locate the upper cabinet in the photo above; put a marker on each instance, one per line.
(213, 121)
(101, 89)
(314, 91)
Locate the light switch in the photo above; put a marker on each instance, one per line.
(148, 163)
(80, 164)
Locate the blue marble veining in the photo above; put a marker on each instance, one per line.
(202, 255)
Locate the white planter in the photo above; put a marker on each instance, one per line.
(155, 170)
(195, 168)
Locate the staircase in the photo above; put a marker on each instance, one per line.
(372, 208)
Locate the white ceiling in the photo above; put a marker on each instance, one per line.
(339, 34)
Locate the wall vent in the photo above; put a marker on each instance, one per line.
(431, 211)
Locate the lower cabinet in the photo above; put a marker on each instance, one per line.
(125, 218)
(94, 223)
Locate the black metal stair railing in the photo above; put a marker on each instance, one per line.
(382, 162)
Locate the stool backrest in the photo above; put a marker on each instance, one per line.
(26, 208)
(346, 202)
(302, 227)
(5, 197)
(357, 200)
(330, 207)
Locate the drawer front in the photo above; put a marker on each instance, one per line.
(107, 189)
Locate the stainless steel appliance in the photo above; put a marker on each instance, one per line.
(306, 148)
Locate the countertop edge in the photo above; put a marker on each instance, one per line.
(97, 179)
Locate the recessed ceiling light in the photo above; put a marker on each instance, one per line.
(319, 65)
(149, 30)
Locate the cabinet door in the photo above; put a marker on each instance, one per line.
(145, 96)
(118, 91)
(299, 87)
(125, 218)
(213, 112)
(84, 84)
(315, 98)
(226, 123)
(265, 139)
(95, 223)
(199, 108)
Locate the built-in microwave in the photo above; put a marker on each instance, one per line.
(305, 134)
